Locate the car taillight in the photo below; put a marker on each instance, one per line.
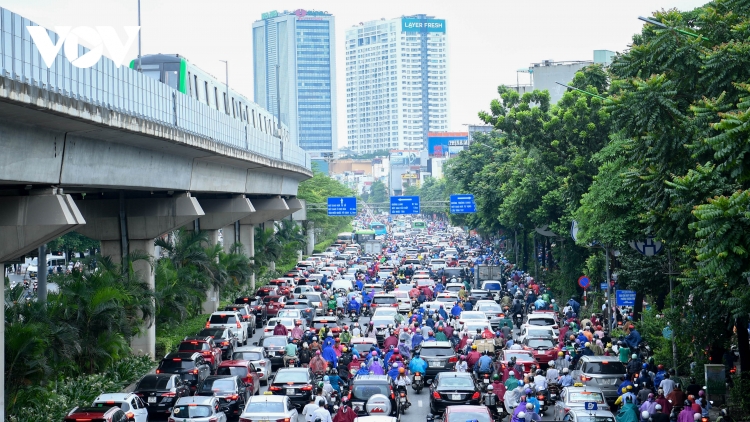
(233, 397)
(262, 363)
(436, 395)
(206, 353)
(453, 359)
(213, 420)
(246, 316)
(585, 378)
(283, 420)
(239, 325)
(130, 415)
(540, 397)
(194, 372)
(307, 387)
(169, 394)
(171, 420)
(475, 396)
(275, 388)
(208, 324)
(225, 343)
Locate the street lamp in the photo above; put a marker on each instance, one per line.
(663, 26)
(139, 36)
(591, 94)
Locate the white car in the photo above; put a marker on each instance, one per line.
(257, 356)
(543, 320)
(269, 408)
(404, 301)
(135, 409)
(233, 321)
(472, 316)
(532, 331)
(454, 287)
(437, 264)
(285, 321)
(198, 409)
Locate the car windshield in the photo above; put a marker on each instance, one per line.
(541, 322)
(240, 371)
(271, 299)
(584, 396)
(223, 319)
(218, 385)
(365, 391)
(274, 341)
(175, 365)
(264, 407)
(377, 322)
(519, 356)
(362, 347)
(539, 333)
(213, 332)
(472, 315)
(588, 418)
(538, 343)
(191, 411)
(489, 307)
(284, 321)
(491, 286)
(247, 356)
(290, 376)
(329, 323)
(605, 368)
(121, 404)
(155, 383)
(456, 382)
(468, 416)
(436, 352)
(189, 346)
(384, 300)
(446, 299)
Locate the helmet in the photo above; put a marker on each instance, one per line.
(528, 393)
(697, 417)
(651, 395)
(560, 354)
(490, 387)
(521, 415)
(473, 347)
(496, 377)
(587, 344)
(657, 407)
(395, 365)
(401, 370)
(432, 333)
(551, 363)
(630, 387)
(539, 372)
(529, 406)
(320, 384)
(645, 366)
(317, 352)
(346, 327)
(362, 365)
(463, 357)
(700, 393)
(645, 415)
(315, 338)
(440, 328)
(634, 356)
(374, 353)
(344, 349)
(553, 301)
(565, 370)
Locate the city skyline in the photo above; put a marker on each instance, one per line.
(496, 37)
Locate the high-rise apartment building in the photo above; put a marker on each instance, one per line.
(396, 83)
(294, 55)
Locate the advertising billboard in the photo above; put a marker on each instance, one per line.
(422, 25)
(404, 158)
(443, 144)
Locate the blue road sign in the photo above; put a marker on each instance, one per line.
(404, 205)
(625, 297)
(590, 405)
(462, 204)
(603, 286)
(342, 207)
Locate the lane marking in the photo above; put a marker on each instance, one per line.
(419, 403)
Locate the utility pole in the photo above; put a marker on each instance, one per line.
(139, 35)
(41, 274)
(674, 333)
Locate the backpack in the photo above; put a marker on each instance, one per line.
(304, 355)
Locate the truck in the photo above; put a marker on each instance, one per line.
(488, 272)
(373, 247)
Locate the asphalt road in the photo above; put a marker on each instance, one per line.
(420, 407)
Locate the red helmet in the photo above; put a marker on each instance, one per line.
(660, 367)
(440, 328)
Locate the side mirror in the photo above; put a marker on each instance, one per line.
(259, 370)
(224, 408)
(256, 344)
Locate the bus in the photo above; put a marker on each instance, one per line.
(378, 227)
(345, 238)
(418, 225)
(361, 236)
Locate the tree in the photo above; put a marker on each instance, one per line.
(378, 192)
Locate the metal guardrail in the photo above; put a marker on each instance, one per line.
(127, 91)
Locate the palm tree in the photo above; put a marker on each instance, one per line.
(267, 248)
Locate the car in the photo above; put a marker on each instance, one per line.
(270, 408)
(378, 288)
(243, 369)
(384, 300)
(233, 393)
(404, 301)
(247, 315)
(315, 300)
(424, 281)
(523, 357)
(373, 395)
(286, 322)
(575, 398)
(198, 409)
(135, 409)
(267, 291)
(544, 320)
(543, 349)
(493, 311)
(302, 305)
(472, 316)
(290, 313)
(258, 308)
(333, 325)
(471, 326)
(206, 346)
(583, 415)
(99, 414)
(463, 413)
(299, 290)
(274, 304)
(256, 355)
(404, 287)
(191, 367)
(275, 348)
(385, 311)
(476, 295)
(536, 332)
(284, 287)
(602, 372)
(223, 337)
(437, 264)
(160, 391)
(452, 388)
(363, 344)
(295, 383)
(439, 356)
(494, 286)
(231, 320)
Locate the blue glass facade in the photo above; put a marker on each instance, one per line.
(314, 94)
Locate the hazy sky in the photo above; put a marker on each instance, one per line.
(488, 39)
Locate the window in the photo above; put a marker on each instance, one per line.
(234, 109)
(197, 92)
(172, 74)
(208, 101)
(191, 86)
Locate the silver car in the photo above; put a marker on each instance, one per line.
(198, 409)
(493, 310)
(583, 415)
(577, 398)
(602, 372)
(257, 356)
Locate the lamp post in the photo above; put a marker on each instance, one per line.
(139, 35)
(663, 26)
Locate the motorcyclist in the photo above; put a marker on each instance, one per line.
(402, 381)
(633, 339)
(498, 387)
(335, 380)
(552, 373)
(318, 365)
(483, 365)
(462, 365)
(440, 336)
(404, 349)
(332, 303)
(345, 335)
(354, 305)
(290, 352)
(566, 380)
(540, 381)
(417, 364)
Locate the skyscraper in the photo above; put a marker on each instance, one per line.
(396, 83)
(294, 53)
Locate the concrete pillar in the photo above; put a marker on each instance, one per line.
(247, 238)
(134, 223)
(310, 237)
(211, 304)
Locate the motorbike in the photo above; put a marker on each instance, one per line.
(36, 284)
(417, 383)
(543, 402)
(291, 363)
(365, 310)
(403, 402)
(340, 314)
(26, 284)
(518, 319)
(484, 378)
(553, 390)
(353, 316)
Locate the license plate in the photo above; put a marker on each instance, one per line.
(435, 363)
(541, 403)
(417, 377)
(289, 391)
(152, 399)
(486, 381)
(455, 397)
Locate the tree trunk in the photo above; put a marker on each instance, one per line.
(744, 348)
(638, 308)
(525, 256)
(544, 252)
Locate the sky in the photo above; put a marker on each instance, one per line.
(488, 40)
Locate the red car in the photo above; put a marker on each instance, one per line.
(283, 287)
(269, 290)
(243, 369)
(274, 304)
(543, 349)
(523, 357)
(206, 346)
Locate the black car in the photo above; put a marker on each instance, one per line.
(365, 386)
(257, 307)
(224, 338)
(453, 388)
(191, 367)
(231, 391)
(295, 383)
(160, 392)
(440, 357)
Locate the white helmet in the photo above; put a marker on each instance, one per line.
(551, 363)
(565, 370)
(645, 415)
(521, 415)
(529, 406)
